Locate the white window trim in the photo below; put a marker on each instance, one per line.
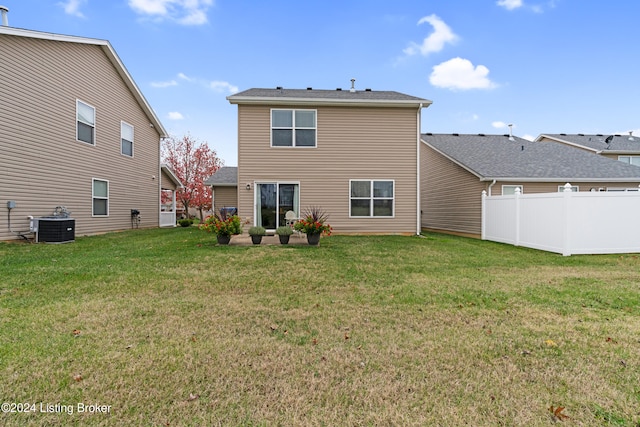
(93, 196)
(122, 122)
(514, 188)
(293, 128)
(622, 189)
(254, 187)
(94, 126)
(372, 198)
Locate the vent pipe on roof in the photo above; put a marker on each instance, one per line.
(353, 85)
(511, 132)
(631, 136)
(4, 10)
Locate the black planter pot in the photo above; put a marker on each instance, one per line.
(256, 239)
(284, 238)
(223, 240)
(313, 239)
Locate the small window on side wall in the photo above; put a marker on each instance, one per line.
(126, 139)
(85, 123)
(100, 195)
(510, 190)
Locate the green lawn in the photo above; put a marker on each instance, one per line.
(164, 328)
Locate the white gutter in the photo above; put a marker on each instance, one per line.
(491, 185)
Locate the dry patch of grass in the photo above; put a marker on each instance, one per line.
(171, 330)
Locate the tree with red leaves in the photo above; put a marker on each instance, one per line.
(192, 162)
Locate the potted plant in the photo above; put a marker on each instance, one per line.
(314, 224)
(284, 233)
(256, 232)
(223, 226)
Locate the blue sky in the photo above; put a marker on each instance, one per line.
(546, 66)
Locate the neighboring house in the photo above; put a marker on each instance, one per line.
(224, 186)
(625, 148)
(352, 153)
(76, 132)
(456, 168)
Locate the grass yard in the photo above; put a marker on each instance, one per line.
(164, 328)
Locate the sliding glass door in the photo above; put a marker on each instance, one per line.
(274, 200)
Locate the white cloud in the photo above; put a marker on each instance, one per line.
(510, 4)
(219, 86)
(164, 84)
(499, 125)
(174, 115)
(528, 137)
(184, 12)
(435, 42)
(185, 77)
(72, 7)
(459, 73)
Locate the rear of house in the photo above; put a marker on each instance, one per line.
(354, 154)
(76, 133)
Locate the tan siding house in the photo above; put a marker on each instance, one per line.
(353, 154)
(456, 168)
(76, 132)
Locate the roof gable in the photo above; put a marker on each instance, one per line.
(111, 55)
(503, 158)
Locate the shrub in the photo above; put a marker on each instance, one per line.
(284, 230)
(185, 222)
(256, 230)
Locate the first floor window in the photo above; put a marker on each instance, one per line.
(371, 198)
(86, 122)
(633, 160)
(574, 188)
(510, 190)
(126, 138)
(100, 197)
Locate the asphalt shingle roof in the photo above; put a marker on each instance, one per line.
(226, 175)
(498, 157)
(617, 143)
(327, 95)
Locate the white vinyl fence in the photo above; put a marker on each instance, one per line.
(567, 222)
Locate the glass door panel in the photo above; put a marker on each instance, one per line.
(267, 206)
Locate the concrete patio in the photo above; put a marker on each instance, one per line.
(245, 240)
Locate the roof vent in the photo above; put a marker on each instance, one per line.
(429, 133)
(367, 90)
(481, 134)
(631, 136)
(511, 132)
(563, 134)
(353, 85)
(455, 134)
(4, 10)
(581, 134)
(309, 88)
(278, 87)
(338, 88)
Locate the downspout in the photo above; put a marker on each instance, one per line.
(418, 162)
(491, 185)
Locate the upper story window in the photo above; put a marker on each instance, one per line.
(633, 160)
(574, 188)
(371, 198)
(86, 122)
(293, 128)
(126, 138)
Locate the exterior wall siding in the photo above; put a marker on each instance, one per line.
(352, 143)
(451, 197)
(43, 166)
(224, 197)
